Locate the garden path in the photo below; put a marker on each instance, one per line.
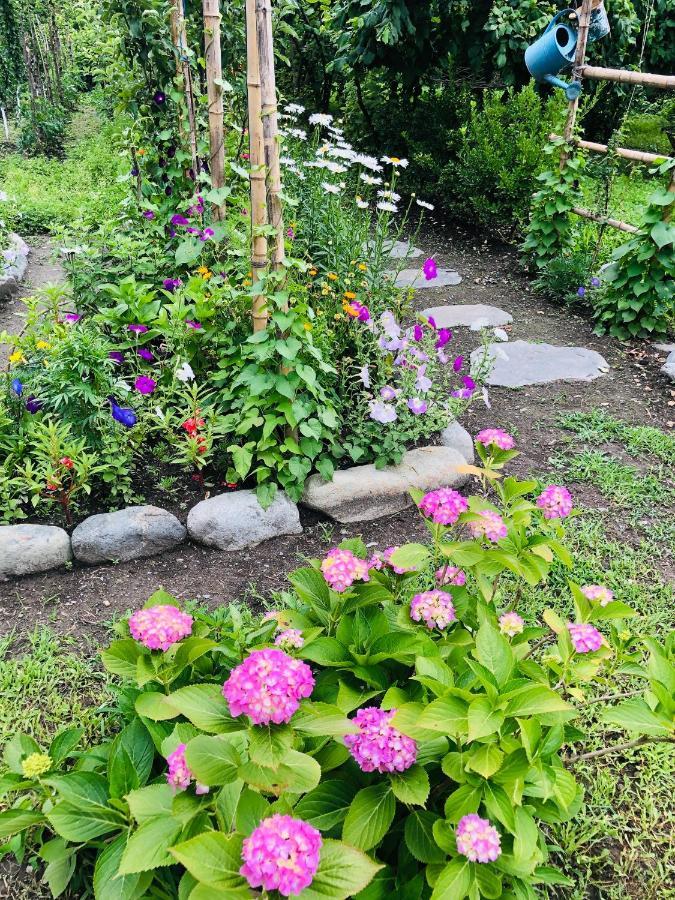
(81, 600)
(42, 269)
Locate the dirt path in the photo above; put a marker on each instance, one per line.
(42, 270)
(83, 599)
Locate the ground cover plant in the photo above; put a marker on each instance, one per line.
(397, 712)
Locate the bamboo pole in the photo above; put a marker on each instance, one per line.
(184, 73)
(584, 19)
(214, 90)
(263, 9)
(627, 76)
(257, 170)
(623, 152)
(603, 220)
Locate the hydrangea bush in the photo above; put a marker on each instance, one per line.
(399, 726)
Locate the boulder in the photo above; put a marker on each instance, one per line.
(364, 493)
(415, 278)
(459, 439)
(130, 533)
(234, 521)
(26, 549)
(13, 263)
(468, 315)
(521, 363)
(669, 367)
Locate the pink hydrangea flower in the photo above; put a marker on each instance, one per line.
(434, 607)
(158, 627)
(556, 501)
(281, 854)
(268, 686)
(477, 839)
(290, 639)
(496, 436)
(511, 624)
(451, 575)
(179, 776)
(491, 525)
(378, 747)
(443, 506)
(585, 638)
(598, 592)
(341, 569)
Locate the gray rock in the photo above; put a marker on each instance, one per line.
(13, 265)
(669, 368)
(521, 363)
(397, 249)
(127, 534)
(25, 549)
(237, 520)
(500, 334)
(468, 315)
(459, 439)
(415, 278)
(665, 348)
(364, 493)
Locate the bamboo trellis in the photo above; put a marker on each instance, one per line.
(214, 92)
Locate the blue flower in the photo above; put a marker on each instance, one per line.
(33, 405)
(582, 291)
(17, 387)
(125, 416)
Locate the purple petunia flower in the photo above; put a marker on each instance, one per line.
(145, 354)
(168, 191)
(418, 333)
(192, 324)
(458, 363)
(33, 405)
(170, 284)
(137, 329)
(595, 281)
(71, 318)
(134, 172)
(125, 416)
(582, 291)
(429, 269)
(469, 383)
(388, 393)
(159, 97)
(145, 385)
(417, 406)
(444, 335)
(178, 219)
(117, 356)
(382, 412)
(148, 214)
(432, 322)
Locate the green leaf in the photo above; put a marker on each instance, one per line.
(64, 742)
(485, 759)
(121, 658)
(18, 748)
(534, 700)
(494, 652)
(327, 651)
(298, 774)
(322, 720)
(489, 882)
(106, 885)
(447, 715)
(310, 586)
(454, 881)
(637, 717)
(370, 815)
(155, 706)
(327, 805)
(205, 706)
(483, 719)
(151, 801)
(663, 233)
(466, 799)
(148, 846)
(213, 858)
(410, 556)
(213, 760)
(12, 821)
(269, 744)
(60, 860)
(412, 786)
(419, 837)
(131, 756)
(84, 812)
(252, 807)
(343, 872)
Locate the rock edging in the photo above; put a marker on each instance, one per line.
(14, 264)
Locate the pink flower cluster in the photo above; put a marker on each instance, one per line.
(341, 569)
(598, 592)
(477, 839)
(511, 624)
(434, 607)
(268, 686)
(290, 639)
(378, 746)
(491, 525)
(281, 854)
(443, 506)
(179, 776)
(158, 627)
(496, 436)
(556, 501)
(585, 638)
(451, 575)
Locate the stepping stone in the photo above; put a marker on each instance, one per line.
(520, 363)
(669, 368)
(234, 521)
(468, 315)
(665, 348)
(397, 249)
(25, 549)
(126, 534)
(364, 493)
(415, 278)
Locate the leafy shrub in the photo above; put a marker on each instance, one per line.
(397, 712)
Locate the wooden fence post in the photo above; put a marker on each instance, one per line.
(257, 170)
(584, 20)
(214, 90)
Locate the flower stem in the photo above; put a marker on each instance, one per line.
(618, 748)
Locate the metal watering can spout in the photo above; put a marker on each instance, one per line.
(553, 51)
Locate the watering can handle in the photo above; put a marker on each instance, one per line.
(554, 20)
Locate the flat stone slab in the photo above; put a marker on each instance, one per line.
(397, 249)
(669, 368)
(415, 278)
(127, 534)
(234, 521)
(26, 549)
(364, 493)
(459, 315)
(665, 348)
(459, 439)
(521, 363)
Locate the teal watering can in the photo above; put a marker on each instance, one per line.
(552, 51)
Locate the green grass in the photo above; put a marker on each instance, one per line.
(599, 427)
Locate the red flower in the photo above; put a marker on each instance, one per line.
(51, 486)
(67, 462)
(192, 425)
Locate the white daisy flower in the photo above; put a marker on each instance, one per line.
(342, 153)
(385, 206)
(330, 188)
(368, 162)
(3, 196)
(395, 161)
(389, 195)
(362, 204)
(337, 168)
(298, 133)
(345, 145)
(294, 108)
(370, 179)
(424, 204)
(320, 119)
(338, 132)
(287, 161)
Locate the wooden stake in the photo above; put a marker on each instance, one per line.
(184, 73)
(214, 90)
(263, 9)
(623, 152)
(257, 166)
(603, 220)
(628, 76)
(584, 19)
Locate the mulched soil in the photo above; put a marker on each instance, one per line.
(82, 600)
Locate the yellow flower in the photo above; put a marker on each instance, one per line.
(42, 345)
(203, 270)
(338, 316)
(17, 357)
(325, 292)
(141, 151)
(363, 267)
(332, 276)
(312, 272)
(36, 764)
(350, 295)
(247, 282)
(307, 326)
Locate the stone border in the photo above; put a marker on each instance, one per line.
(235, 521)
(14, 267)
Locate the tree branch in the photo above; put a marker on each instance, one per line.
(618, 748)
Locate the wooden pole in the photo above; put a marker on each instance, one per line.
(623, 152)
(214, 91)
(603, 220)
(184, 73)
(263, 9)
(584, 19)
(627, 76)
(257, 170)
